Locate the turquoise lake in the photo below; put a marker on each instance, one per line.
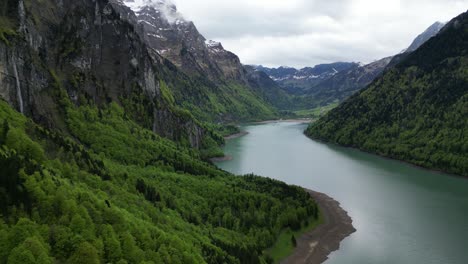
(402, 213)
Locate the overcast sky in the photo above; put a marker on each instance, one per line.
(308, 32)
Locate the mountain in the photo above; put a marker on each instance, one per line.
(425, 36)
(345, 83)
(222, 80)
(109, 57)
(55, 53)
(104, 142)
(329, 83)
(430, 32)
(302, 81)
(168, 33)
(416, 111)
(268, 89)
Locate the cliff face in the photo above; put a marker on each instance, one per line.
(169, 34)
(202, 76)
(83, 51)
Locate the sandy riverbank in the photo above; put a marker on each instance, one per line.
(315, 246)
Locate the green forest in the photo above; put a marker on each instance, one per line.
(416, 112)
(87, 175)
(110, 191)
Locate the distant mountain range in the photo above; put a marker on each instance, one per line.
(328, 83)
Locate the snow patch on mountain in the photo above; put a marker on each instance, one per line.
(212, 43)
(166, 7)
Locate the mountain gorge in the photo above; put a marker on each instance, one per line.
(416, 111)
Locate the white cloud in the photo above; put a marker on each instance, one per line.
(307, 32)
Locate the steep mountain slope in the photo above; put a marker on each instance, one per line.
(416, 111)
(268, 89)
(221, 91)
(417, 42)
(114, 192)
(84, 52)
(425, 36)
(166, 31)
(332, 83)
(100, 161)
(347, 82)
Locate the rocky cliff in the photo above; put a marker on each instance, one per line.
(168, 33)
(83, 52)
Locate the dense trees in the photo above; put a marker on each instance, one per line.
(417, 111)
(111, 191)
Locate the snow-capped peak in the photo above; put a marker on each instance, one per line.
(167, 8)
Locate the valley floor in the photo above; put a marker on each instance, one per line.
(316, 245)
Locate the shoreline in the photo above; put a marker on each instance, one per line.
(316, 245)
(237, 135)
(300, 120)
(229, 157)
(354, 148)
(220, 159)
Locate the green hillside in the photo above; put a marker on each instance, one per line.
(113, 192)
(416, 112)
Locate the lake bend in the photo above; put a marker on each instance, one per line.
(402, 213)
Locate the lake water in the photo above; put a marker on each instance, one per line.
(403, 214)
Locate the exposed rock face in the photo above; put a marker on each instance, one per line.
(205, 78)
(166, 31)
(83, 50)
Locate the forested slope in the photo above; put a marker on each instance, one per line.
(126, 195)
(416, 111)
(102, 143)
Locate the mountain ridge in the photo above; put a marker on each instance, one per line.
(206, 61)
(416, 111)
